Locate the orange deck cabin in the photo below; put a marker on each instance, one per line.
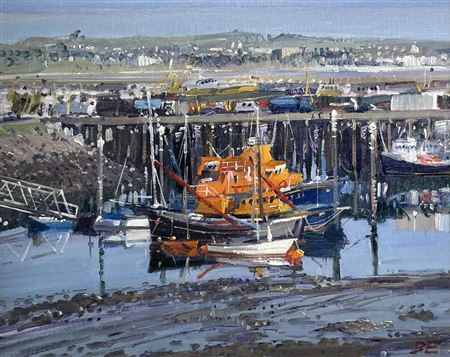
(233, 175)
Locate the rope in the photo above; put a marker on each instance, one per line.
(319, 227)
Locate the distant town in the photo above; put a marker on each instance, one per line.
(78, 53)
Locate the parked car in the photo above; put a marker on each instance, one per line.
(212, 111)
(247, 106)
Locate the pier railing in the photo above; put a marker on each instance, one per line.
(35, 199)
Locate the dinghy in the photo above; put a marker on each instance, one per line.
(275, 248)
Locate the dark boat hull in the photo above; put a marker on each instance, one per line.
(168, 223)
(311, 194)
(396, 167)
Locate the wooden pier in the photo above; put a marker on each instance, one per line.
(265, 117)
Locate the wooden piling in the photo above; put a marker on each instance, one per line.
(373, 171)
(429, 128)
(355, 166)
(100, 169)
(374, 248)
(244, 134)
(161, 130)
(335, 157)
(337, 266)
(212, 140)
(389, 136)
(307, 146)
(144, 144)
(410, 124)
(101, 263)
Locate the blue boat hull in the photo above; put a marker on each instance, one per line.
(311, 195)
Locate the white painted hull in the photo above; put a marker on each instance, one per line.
(131, 231)
(260, 249)
(12, 234)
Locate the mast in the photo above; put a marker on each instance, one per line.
(258, 148)
(152, 150)
(254, 217)
(161, 133)
(191, 190)
(185, 171)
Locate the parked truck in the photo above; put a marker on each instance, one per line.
(290, 104)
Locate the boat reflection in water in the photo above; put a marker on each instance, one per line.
(174, 254)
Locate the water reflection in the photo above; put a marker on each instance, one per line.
(60, 262)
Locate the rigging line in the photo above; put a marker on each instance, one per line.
(228, 146)
(355, 243)
(382, 139)
(124, 164)
(312, 143)
(214, 150)
(172, 155)
(160, 188)
(181, 151)
(348, 219)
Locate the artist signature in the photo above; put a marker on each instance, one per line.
(425, 346)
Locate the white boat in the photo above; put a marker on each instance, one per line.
(13, 234)
(130, 232)
(272, 261)
(116, 225)
(275, 248)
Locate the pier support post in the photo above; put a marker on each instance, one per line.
(244, 127)
(429, 128)
(355, 166)
(307, 146)
(212, 140)
(373, 195)
(389, 136)
(374, 246)
(335, 156)
(337, 266)
(230, 135)
(161, 131)
(100, 143)
(373, 171)
(144, 145)
(101, 263)
(410, 127)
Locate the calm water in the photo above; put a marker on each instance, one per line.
(67, 263)
(348, 18)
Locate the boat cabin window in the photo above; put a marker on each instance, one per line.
(250, 201)
(243, 202)
(271, 199)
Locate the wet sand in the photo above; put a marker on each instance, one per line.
(303, 315)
